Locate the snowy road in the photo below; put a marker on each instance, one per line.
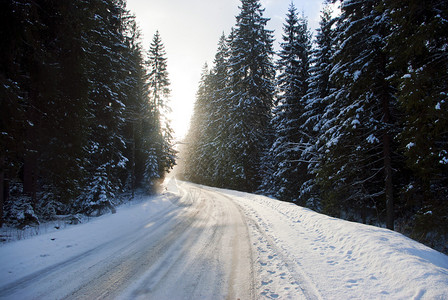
(196, 242)
(195, 247)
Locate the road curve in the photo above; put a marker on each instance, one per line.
(197, 248)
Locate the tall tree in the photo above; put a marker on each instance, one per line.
(197, 162)
(159, 92)
(289, 172)
(357, 169)
(20, 24)
(251, 95)
(218, 111)
(316, 103)
(208, 132)
(418, 44)
(107, 74)
(136, 110)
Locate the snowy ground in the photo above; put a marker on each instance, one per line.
(196, 242)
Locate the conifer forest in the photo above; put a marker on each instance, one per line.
(83, 109)
(350, 121)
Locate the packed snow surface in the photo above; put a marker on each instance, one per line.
(196, 242)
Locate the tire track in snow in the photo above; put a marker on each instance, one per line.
(213, 260)
(53, 273)
(178, 262)
(242, 275)
(131, 261)
(276, 268)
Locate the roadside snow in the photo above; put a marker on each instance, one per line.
(202, 243)
(24, 257)
(337, 259)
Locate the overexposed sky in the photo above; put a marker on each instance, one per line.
(190, 30)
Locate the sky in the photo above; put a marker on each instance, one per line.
(190, 30)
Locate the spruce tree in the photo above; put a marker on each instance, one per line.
(22, 56)
(197, 159)
(106, 44)
(219, 110)
(208, 133)
(136, 109)
(418, 45)
(357, 168)
(250, 95)
(161, 157)
(293, 68)
(316, 103)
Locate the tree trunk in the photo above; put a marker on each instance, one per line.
(388, 182)
(30, 175)
(133, 161)
(2, 188)
(31, 154)
(387, 152)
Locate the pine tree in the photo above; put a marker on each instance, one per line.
(418, 45)
(21, 56)
(106, 107)
(197, 159)
(208, 132)
(65, 125)
(161, 157)
(293, 68)
(320, 87)
(251, 93)
(136, 108)
(357, 169)
(218, 111)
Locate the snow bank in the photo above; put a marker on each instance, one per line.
(346, 260)
(25, 257)
(296, 253)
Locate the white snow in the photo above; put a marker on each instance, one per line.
(338, 259)
(444, 161)
(410, 145)
(196, 242)
(355, 122)
(372, 139)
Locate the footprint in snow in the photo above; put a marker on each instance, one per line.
(266, 282)
(332, 262)
(269, 294)
(352, 283)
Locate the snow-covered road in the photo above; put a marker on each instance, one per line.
(196, 242)
(188, 245)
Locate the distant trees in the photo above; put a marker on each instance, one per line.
(74, 94)
(240, 107)
(160, 139)
(357, 128)
(198, 164)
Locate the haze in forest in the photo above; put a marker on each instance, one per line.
(190, 32)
